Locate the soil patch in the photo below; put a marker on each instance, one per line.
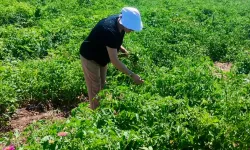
(24, 117)
(224, 66)
(34, 111)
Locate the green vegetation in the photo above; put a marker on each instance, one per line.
(185, 103)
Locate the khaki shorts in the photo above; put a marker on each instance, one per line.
(95, 77)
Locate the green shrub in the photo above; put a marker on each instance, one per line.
(8, 99)
(32, 42)
(243, 63)
(187, 79)
(57, 80)
(23, 44)
(16, 13)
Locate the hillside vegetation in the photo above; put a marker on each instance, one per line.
(185, 103)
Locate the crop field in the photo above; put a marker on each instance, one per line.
(194, 56)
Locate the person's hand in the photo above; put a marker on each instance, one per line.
(124, 53)
(137, 79)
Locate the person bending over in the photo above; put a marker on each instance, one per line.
(102, 46)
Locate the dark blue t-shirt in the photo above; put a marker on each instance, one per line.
(105, 33)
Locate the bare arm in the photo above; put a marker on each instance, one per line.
(120, 66)
(116, 62)
(123, 50)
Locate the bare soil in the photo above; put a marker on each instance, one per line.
(226, 67)
(24, 117)
(32, 112)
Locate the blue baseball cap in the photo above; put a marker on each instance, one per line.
(131, 19)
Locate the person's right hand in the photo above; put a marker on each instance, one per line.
(137, 79)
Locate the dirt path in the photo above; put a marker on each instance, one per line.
(34, 112)
(24, 117)
(30, 113)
